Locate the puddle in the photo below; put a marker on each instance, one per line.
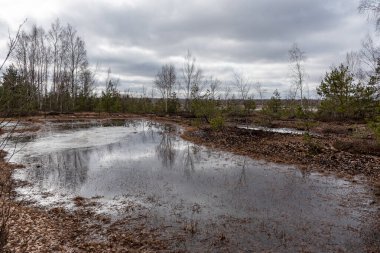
(10, 124)
(276, 130)
(216, 200)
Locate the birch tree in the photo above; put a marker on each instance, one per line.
(192, 77)
(165, 81)
(243, 85)
(298, 74)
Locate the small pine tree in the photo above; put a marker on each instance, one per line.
(274, 106)
(344, 98)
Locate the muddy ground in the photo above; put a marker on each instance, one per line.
(345, 150)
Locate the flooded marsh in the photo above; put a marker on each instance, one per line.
(212, 200)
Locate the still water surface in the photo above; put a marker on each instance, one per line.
(219, 199)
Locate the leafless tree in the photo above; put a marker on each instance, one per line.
(243, 85)
(298, 74)
(32, 57)
(192, 77)
(260, 91)
(369, 55)
(214, 85)
(226, 92)
(372, 9)
(54, 63)
(354, 64)
(54, 37)
(78, 59)
(165, 81)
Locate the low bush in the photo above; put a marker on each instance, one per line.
(217, 123)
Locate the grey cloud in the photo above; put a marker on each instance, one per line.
(261, 30)
(167, 25)
(129, 67)
(233, 33)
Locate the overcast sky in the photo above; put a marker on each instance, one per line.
(135, 37)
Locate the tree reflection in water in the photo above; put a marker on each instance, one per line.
(165, 150)
(190, 157)
(64, 170)
(68, 169)
(242, 181)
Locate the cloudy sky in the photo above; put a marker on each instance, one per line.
(135, 37)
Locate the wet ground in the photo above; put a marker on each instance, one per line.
(208, 200)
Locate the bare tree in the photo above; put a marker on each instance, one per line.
(226, 93)
(369, 54)
(77, 59)
(55, 65)
(165, 81)
(354, 64)
(260, 91)
(192, 77)
(54, 37)
(298, 74)
(33, 59)
(372, 9)
(353, 61)
(243, 85)
(214, 85)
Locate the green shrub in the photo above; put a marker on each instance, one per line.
(345, 98)
(204, 108)
(217, 123)
(273, 107)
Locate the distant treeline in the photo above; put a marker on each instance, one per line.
(49, 72)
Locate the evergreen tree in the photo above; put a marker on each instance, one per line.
(343, 97)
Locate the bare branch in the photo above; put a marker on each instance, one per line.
(12, 44)
(372, 9)
(242, 83)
